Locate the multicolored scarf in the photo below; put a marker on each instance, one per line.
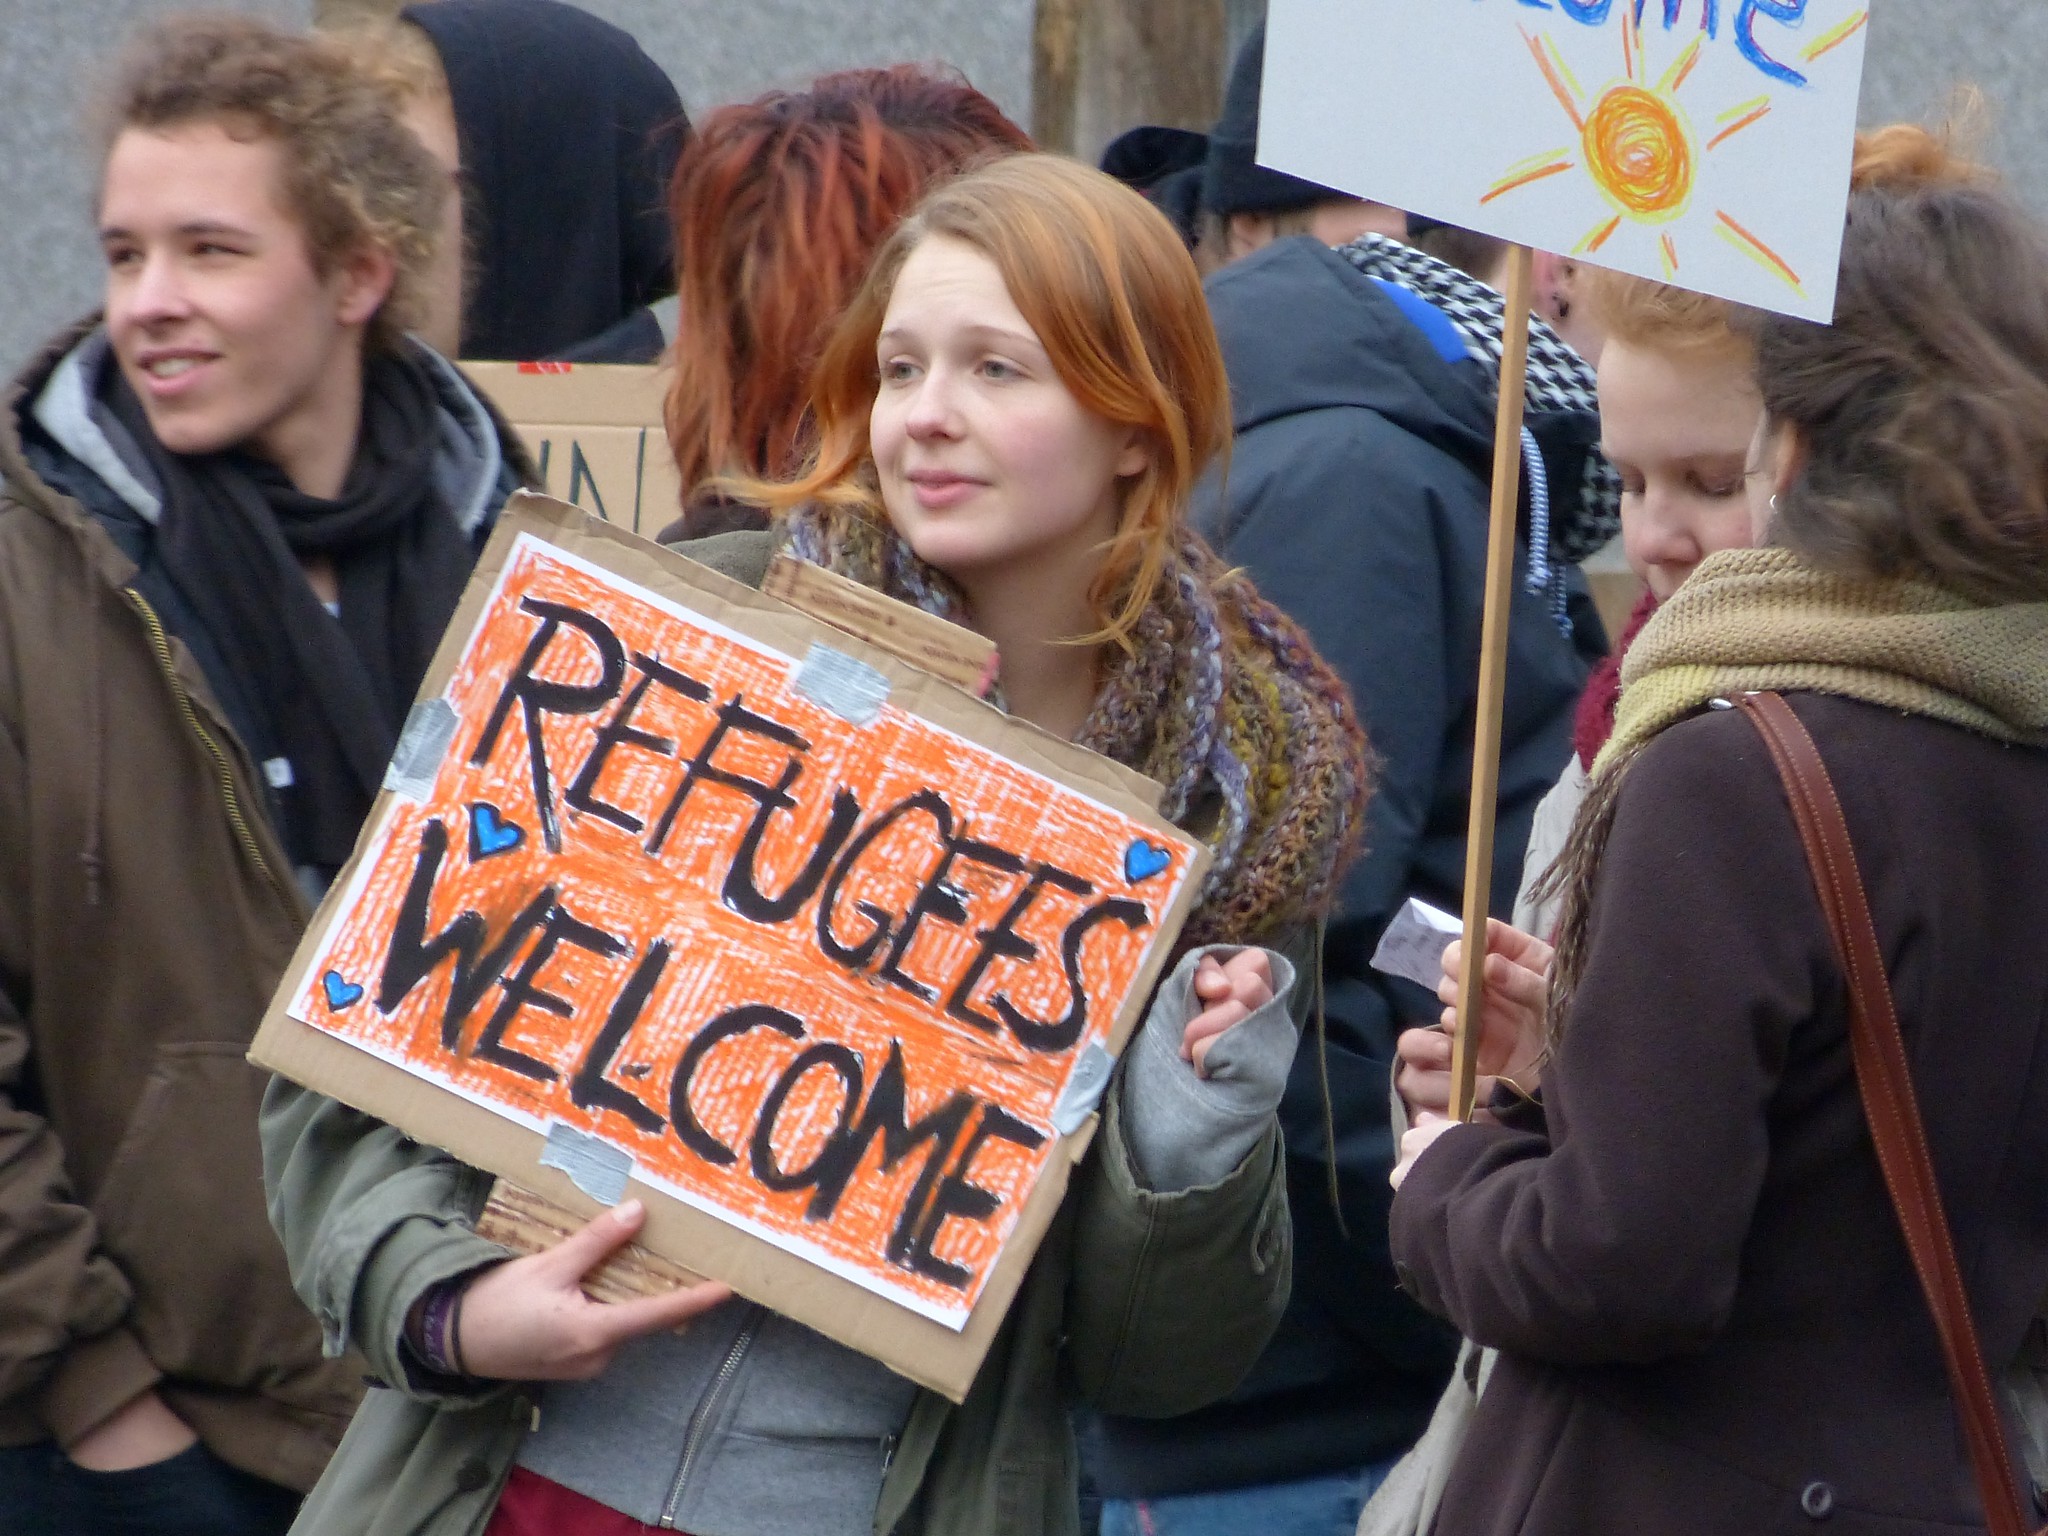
(1219, 697)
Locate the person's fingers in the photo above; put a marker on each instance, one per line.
(1454, 957)
(1254, 992)
(1210, 1023)
(618, 1321)
(1211, 980)
(1423, 1090)
(1426, 1129)
(1249, 965)
(1424, 1047)
(592, 1243)
(1515, 980)
(1511, 943)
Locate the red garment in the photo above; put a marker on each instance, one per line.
(532, 1505)
(1594, 722)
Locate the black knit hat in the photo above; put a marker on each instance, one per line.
(1165, 164)
(1233, 181)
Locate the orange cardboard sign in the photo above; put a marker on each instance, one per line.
(736, 923)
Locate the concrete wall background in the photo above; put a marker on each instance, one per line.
(728, 50)
(51, 59)
(725, 50)
(1921, 50)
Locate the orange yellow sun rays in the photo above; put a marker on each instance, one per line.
(1639, 147)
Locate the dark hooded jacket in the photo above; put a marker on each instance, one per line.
(1356, 497)
(568, 134)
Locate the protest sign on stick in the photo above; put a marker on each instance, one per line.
(1490, 709)
(1702, 143)
(675, 889)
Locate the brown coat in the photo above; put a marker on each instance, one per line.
(1707, 1316)
(146, 912)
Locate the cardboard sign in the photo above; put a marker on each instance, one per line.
(675, 889)
(1705, 143)
(595, 433)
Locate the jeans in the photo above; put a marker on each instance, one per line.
(1314, 1506)
(195, 1493)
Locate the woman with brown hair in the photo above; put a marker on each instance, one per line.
(778, 204)
(1681, 1243)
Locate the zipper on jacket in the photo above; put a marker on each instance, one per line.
(700, 1421)
(224, 772)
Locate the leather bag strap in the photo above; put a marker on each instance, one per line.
(1888, 1100)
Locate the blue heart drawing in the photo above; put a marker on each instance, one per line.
(490, 832)
(341, 994)
(1143, 860)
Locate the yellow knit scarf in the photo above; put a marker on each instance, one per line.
(1754, 619)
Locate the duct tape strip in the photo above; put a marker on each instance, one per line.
(422, 745)
(1084, 1089)
(597, 1168)
(852, 690)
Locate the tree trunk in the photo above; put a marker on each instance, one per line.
(1102, 66)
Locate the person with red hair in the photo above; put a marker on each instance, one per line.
(778, 205)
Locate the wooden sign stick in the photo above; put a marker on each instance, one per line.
(1493, 662)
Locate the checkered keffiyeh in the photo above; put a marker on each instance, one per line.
(1559, 379)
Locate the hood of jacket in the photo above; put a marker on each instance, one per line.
(1560, 396)
(1303, 330)
(569, 133)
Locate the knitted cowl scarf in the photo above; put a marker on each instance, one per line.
(1220, 698)
(1750, 620)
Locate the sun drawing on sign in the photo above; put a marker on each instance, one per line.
(1641, 149)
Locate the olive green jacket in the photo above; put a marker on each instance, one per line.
(1137, 1302)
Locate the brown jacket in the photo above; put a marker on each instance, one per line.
(1707, 1318)
(146, 912)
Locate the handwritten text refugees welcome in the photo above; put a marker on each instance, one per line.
(819, 966)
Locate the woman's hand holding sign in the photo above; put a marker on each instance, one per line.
(1512, 1024)
(528, 1319)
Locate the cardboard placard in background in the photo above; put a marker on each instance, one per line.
(682, 890)
(595, 433)
(1699, 142)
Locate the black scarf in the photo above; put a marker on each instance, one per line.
(327, 696)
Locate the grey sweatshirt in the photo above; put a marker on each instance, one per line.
(748, 1424)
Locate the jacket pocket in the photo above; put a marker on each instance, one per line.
(181, 1212)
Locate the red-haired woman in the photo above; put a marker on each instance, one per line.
(1009, 418)
(779, 204)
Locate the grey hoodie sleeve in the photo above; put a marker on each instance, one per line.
(1186, 1131)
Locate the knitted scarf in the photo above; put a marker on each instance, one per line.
(1219, 697)
(1558, 378)
(1749, 620)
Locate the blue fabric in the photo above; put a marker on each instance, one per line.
(1434, 324)
(42, 1493)
(1314, 1506)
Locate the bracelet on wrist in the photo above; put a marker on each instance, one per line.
(438, 1341)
